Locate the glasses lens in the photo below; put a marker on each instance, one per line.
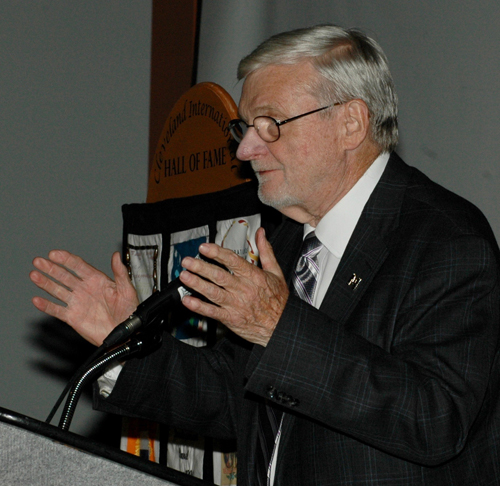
(267, 129)
(238, 128)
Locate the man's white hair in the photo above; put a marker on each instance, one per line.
(351, 65)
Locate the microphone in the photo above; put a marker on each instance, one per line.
(145, 313)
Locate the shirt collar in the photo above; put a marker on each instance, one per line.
(335, 228)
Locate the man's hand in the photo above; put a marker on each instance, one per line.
(248, 300)
(93, 303)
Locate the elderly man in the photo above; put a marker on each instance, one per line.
(368, 357)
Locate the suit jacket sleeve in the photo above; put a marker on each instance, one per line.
(181, 385)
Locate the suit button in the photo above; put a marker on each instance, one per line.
(293, 402)
(271, 392)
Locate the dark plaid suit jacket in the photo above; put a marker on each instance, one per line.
(393, 381)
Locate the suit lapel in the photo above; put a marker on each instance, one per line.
(368, 248)
(363, 257)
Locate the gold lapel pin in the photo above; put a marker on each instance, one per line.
(354, 282)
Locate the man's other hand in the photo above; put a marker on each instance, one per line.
(92, 303)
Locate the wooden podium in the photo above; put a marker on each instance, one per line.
(35, 453)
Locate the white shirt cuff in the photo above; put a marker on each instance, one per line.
(107, 381)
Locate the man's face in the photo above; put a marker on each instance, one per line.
(302, 174)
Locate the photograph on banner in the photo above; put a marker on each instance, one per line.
(143, 260)
(238, 234)
(183, 244)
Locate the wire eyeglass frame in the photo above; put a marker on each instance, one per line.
(267, 127)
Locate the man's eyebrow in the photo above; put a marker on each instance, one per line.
(261, 110)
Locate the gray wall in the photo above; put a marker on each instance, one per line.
(74, 81)
(74, 98)
(445, 59)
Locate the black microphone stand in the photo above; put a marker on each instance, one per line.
(137, 346)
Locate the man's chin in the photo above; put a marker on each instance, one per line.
(276, 200)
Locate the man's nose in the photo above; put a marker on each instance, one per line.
(252, 146)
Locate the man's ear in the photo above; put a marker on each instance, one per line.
(357, 123)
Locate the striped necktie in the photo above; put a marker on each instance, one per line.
(307, 271)
(270, 418)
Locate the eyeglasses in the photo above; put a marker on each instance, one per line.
(268, 128)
